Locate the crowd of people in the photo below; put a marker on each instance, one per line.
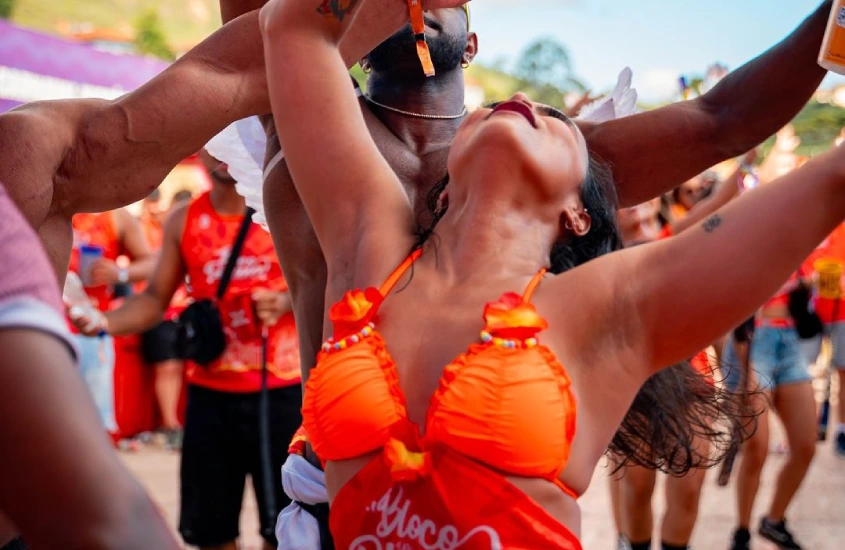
(485, 302)
(765, 362)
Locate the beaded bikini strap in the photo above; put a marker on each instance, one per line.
(532, 286)
(391, 281)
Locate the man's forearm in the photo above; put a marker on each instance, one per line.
(760, 97)
(744, 109)
(138, 314)
(219, 81)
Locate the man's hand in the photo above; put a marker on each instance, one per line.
(104, 272)
(88, 320)
(270, 305)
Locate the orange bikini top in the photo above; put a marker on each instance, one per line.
(506, 402)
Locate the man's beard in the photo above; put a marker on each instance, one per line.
(397, 56)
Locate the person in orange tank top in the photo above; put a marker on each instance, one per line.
(832, 313)
(158, 345)
(107, 236)
(220, 446)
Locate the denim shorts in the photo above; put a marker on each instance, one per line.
(96, 364)
(836, 332)
(776, 357)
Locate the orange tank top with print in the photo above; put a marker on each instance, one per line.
(833, 247)
(206, 242)
(98, 230)
(154, 235)
(781, 298)
(503, 407)
(153, 231)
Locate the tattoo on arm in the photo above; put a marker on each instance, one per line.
(336, 9)
(712, 223)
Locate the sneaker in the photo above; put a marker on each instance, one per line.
(741, 540)
(778, 534)
(839, 444)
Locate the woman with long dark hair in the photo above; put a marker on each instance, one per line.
(483, 453)
(632, 486)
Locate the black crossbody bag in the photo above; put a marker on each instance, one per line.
(200, 337)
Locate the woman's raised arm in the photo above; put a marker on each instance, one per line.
(665, 301)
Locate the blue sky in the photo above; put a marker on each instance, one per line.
(658, 39)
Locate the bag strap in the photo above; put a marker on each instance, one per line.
(237, 246)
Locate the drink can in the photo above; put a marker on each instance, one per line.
(832, 54)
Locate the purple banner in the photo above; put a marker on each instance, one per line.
(35, 66)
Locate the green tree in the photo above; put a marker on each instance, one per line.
(6, 8)
(149, 36)
(545, 64)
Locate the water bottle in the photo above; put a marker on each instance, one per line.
(79, 303)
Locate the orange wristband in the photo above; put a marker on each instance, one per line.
(418, 26)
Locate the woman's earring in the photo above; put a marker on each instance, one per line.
(367, 69)
(568, 225)
(464, 64)
(442, 203)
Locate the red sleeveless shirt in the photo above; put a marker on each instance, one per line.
(95, 230)
(206, 242)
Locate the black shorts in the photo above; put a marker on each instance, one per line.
(220, 447)
(159, 343)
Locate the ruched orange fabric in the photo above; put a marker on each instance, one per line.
(506, 402)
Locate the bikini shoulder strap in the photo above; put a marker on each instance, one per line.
(391, 281)
(532, 286)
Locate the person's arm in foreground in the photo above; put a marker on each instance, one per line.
(102, 155)
(669, 299)
(653, 152)
(62, 484)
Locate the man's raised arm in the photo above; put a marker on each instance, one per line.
(653, 152)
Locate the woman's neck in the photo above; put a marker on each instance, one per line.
(476, 236)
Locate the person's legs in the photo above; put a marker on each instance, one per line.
(682, 497)
(158, 346)
(96, 363)
(837, 337)
(839, 443)
(168, 388)
(753, 458)
(763, 357)
(213, 471)
(796, 408)
(636, 511)
(285, 419)
(794, 402)
(614, 484)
